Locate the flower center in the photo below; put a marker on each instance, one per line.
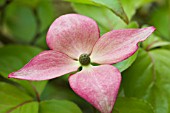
(84, 59)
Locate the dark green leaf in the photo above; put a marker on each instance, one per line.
(58, 106)
(59, 89)
(2, 2)
(132, 105)
(20, 22)
(14, 57)
(148, 78)
(46, 14)
(160, 19)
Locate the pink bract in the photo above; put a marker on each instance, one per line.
(69, 37)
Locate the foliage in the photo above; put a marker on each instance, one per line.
(145, 86)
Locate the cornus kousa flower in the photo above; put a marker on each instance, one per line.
(74, 42)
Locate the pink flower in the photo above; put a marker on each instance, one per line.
(74, 41)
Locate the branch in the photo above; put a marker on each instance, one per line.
(36, 92)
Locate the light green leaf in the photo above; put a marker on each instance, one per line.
(29, 3)
(149, 41)
(14, 57)
(148, 78)
(113, 5)
(154, 42)
(58, 106)
(132, 105)
(158, 44)
(103, 16)
(132, 24)
(126, 63)
(31, 107)
(15, 100)
(11, 96)
(130, 6)
(106, 20)
(49, 106)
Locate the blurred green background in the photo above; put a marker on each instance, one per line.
(145, 86)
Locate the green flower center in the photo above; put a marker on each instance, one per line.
(84, 59)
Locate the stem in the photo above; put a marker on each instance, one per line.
(148, 47)
(36, 92)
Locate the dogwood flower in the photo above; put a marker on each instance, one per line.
(74, 42)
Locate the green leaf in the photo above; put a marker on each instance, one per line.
(41, 42)
(11, 96)
(130, 6)
(148, 78)
(29, 3)
(49, 106)
(160, 19)
(46, 15)
(113, 5)
(2, 2)
(132, 105)
(15, 100)
(126, 63)
(106, 20)
(60, 89)
(23, 24)
(154, 42)
(14, 57)
(58, 106)
(104, 17)
(20, 22)
(149, 41)
(132, 24)
(27, 108)
(157, 44)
